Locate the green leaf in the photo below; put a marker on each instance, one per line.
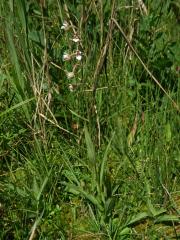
(168, 133)
(139, 217)
(42, 187)
(18, 80)
(22, 13)
(159, 212)
(151, 208)
(125, 231)
(167, 218)
(21, 192)
(77, 115)
(35, 188)
(69, 174)
(2, 78)
(103, 164)
(16, 106)
(37, 37)
(90, 147)
(72, 188)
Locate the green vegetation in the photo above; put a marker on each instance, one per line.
(89, 119)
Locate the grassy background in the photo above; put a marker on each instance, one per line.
(100, 161)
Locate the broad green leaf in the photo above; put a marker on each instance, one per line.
(90, 197)
(151, 208)
(139, 217)
(154, 212)
(103, 164)
(159, 211)
(168, 218)
(125, 231)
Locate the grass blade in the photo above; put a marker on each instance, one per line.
(16, 106)
(90, 147)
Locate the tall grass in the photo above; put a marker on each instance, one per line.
(89, 121)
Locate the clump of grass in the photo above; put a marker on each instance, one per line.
(89, 120)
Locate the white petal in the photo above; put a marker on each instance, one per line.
(76, 40)
(78, 57)
(66, 57)
(71, 88)
(65, 25)
(70, 75)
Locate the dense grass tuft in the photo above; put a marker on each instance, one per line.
(89, 119)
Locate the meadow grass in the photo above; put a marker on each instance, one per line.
(89, 119)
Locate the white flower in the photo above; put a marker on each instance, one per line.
(71, 88)
(65, 26)
(78, 55)
(70, 75)
(75, 39)
(66, 57)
